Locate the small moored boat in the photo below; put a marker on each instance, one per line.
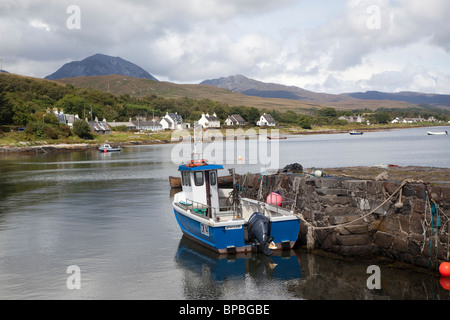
(276, 137)
(206, 215)
(356, 133)
(437, 133)
(222, 220)
(175, 182)
(107, 148)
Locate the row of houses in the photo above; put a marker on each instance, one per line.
(360, 119)
(208, 121)
(171, 121)
(413, 120)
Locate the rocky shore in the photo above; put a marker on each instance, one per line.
(400, 212)
(48, 148)
(66, 147)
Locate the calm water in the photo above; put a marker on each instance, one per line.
(110, 215)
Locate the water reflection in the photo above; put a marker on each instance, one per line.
(208, 274)
(111, 214)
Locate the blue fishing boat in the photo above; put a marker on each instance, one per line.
(223, 221)
(248, 225)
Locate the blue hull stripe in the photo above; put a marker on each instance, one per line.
(285, 230)
(220, 238)
(216, 237)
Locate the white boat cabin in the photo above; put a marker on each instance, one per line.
(199, 183)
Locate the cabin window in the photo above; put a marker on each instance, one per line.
(198, 178)
(185, 178)
(212, 178)
(188, 179)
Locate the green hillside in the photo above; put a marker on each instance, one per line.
(139, 87)
(26, 102)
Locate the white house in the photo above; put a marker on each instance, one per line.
(235, 120)
(266, 120)
(358, 118)
(173, 121)
(208, 121)
(148, 125)
(68, 119)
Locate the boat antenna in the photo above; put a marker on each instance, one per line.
(196, 148)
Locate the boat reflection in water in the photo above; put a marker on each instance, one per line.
(207, 273)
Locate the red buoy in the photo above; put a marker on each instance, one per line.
(444, 269)
(274, 199)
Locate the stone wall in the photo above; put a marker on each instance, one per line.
(351, 217)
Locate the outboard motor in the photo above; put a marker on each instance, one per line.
(258, 232)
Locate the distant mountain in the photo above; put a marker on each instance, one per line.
(3, 71)
(119, 85)
(99, 65)
(410, 97)
(250, 87)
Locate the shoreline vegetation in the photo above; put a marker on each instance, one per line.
(15, 142)
(26, 104)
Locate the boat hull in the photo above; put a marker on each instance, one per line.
(109, 149)
(230, 237)
(442, 133)
(284, 232)
(223, 238)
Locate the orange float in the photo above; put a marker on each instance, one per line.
(196, 163)
(444, 269)
(274, 199)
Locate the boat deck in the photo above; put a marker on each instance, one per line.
(229, 213)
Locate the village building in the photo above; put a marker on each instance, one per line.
(208, 121)
(235, 120)
(70, 119)
(63, 118)
(358, 118)
(173, 121)
(128, 124)
(100, 127)
(266, 120)
(148, 125)
(413, 120)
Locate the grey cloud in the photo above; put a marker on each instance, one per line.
(190, 41)
(347, 39)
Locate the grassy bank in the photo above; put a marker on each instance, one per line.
(20, 139)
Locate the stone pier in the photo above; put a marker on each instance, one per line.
(351, 216)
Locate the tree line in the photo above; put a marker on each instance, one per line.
(25, 101)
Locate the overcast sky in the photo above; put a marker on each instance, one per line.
(329, 46)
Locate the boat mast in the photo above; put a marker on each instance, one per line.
(195, 150)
